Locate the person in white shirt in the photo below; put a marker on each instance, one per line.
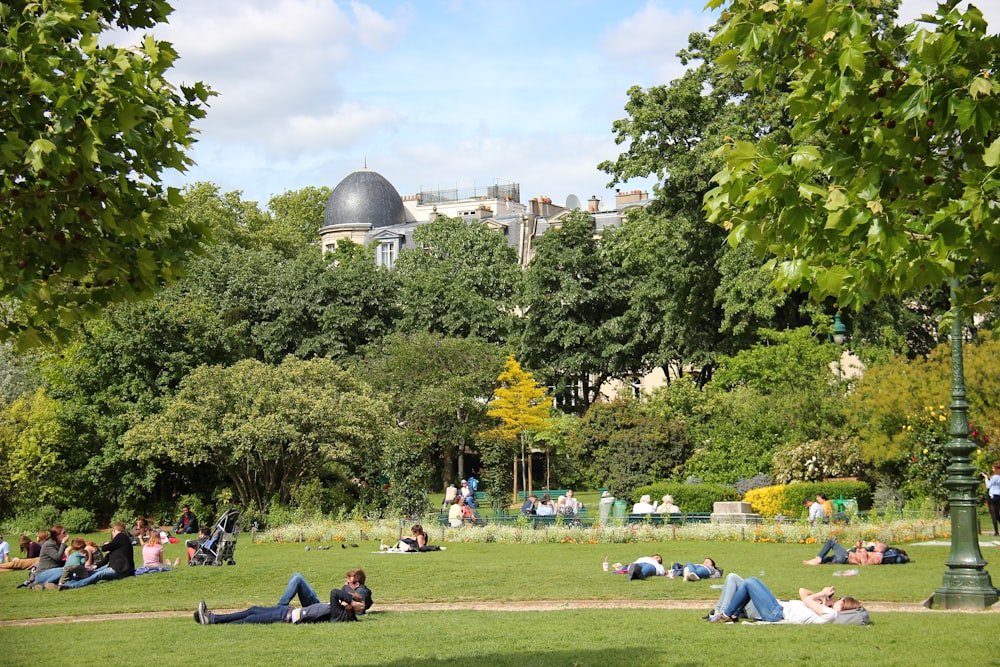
(812, 608)
(545, 507)
(816, 512)
(646, 566)
(643, 506)
(993, 493)
(572, 504)
(4, 550)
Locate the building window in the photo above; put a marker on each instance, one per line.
(386, 254)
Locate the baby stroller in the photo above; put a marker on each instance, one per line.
(219, 548)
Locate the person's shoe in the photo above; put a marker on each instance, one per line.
(689, 575)
(722, 618)
(709, 615)
(202, 615)
(633, 572)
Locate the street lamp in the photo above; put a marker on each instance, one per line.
(967, 584)
(839, 330)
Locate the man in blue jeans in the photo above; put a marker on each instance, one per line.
(342, 607)
(646, 566)
(299, 587)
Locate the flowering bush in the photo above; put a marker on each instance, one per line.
(388, 531)
(766, 501)
(926, 459)
(815, 460)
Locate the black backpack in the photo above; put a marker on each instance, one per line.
(894, 556)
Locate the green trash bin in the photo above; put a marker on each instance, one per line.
(619, 509)
(838, 505)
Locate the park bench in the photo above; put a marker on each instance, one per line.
(668, 519)
(553, 493)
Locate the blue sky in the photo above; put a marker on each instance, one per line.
(432, 94)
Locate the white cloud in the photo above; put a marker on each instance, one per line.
(374, 30)
(652, 36)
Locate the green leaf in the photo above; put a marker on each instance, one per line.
(991, 158)
(37, 151)
(980, 87)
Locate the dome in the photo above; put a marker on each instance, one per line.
(364, 197)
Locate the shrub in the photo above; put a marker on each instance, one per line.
(815, 460)
(78, 520)
(755, 482)
(40, 518)
(768, 501)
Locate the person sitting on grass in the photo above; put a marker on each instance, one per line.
(121, 560)
(299, 587)
(192, 546)
(811, 607)
(78, 561)
(30, 549)
(646, 566)
(833, 552)
(417, 542)
(341, 607)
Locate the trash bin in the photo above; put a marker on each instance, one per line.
(838, 505)
(619, 510)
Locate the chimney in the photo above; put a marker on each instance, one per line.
(593, 203)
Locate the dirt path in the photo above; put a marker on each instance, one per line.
(550, 605)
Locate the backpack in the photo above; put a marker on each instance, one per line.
(894, 556)
(853, 617)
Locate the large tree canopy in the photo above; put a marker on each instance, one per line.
(889, 182)
(87, 129)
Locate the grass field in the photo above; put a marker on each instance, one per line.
(506, 574)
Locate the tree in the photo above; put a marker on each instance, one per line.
(266, 428)
(888, 185)
(628, 446)
(33, 469)
(458, 281)
(438, 388)
(88, 129)
(325, 304)
(522, 407)
(567, 300)
(684, 294)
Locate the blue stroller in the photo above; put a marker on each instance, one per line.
(219, 548)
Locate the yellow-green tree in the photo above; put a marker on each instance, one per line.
(522, 406)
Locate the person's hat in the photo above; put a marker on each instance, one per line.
(464, 482)
(605, 494)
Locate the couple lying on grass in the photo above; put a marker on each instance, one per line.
(345, 604)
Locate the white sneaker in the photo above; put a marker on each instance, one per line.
(689, 575)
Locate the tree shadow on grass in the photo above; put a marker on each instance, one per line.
(629, 657)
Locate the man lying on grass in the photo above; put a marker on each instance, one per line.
(342, 607)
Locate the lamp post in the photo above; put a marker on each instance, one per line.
(967, 584)
(839, 330)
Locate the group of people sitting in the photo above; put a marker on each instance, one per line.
(664, 506)
(58, 561)
(566, 505)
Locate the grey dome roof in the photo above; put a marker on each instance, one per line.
(364, 197)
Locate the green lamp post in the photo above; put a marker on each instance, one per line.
(839, 330)
(967, 584)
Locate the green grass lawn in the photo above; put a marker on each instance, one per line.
(502, 573)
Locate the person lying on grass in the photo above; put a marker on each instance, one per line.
(811, 608)
(833, 552)
(342, 607)
(299, 587)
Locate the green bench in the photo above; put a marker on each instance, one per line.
(668, 519)
(553, 494)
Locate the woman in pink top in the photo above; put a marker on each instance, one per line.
(152, 551)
